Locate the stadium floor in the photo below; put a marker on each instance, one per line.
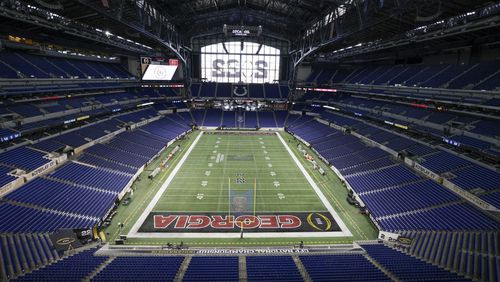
(228, 175)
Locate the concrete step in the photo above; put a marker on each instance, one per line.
(36, 256)
(389, 274)
(302, 269)
(182, 269)
(243, 268)
(29, 253)
(11, 267)
(99, 269)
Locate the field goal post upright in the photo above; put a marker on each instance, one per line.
(246, 204)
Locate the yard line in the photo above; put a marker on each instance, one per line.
(255, 175)
(160, 192)
(229, 196)
(221, 191)
(322, 197)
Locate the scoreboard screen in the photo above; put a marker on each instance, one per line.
(240, 62)
(160, 69)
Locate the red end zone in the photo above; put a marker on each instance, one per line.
(218, 222)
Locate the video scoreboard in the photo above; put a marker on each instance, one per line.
(160, 69)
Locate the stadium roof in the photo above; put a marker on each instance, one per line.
(172, 23)
(289, 18)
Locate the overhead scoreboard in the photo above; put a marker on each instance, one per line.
(242, 31)
(160, 69)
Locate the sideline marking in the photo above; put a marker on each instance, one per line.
(320, 194)
(152, 204)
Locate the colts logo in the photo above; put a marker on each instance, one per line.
(240, 90)
(319, 221)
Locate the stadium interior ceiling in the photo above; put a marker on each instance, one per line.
(173, 22)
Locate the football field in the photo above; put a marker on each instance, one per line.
(229, 181)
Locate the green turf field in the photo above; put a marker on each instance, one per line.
(259, 167)
(251, 164)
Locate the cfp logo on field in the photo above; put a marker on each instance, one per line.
(319, 221)
(145, 60)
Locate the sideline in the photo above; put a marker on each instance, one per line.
(152, 204)
(324, 200)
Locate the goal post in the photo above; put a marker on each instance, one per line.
(242, 202)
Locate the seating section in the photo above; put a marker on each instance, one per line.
(5, 178)
(166, 129)
(125, 142)
(15, 219)
(212, 269)
(492, 198)
(83, 135)
(77, 137)
(228, 119)
(198, 116)
(225, 90)
(473, 254)
(106, 164)
(396, 196)
(58, 196)
(91, 177)
(23, 252)
(250, 120)
(116, 155)
(412, 117)
(267, 119)
(137, 116)
(407, 268)
(341, 267)
(443, 161)
(383, 178)
(244, 119)
(25, 65)
(212, 118)
(98, 175)
(208, 89)
(272, 268)
(482, 76)
(451, 217)
(140, 269)
(281, 117)
(48, 146)
(349, 153)
(355, 265)
(23, 158)
(474, 176)
(408, 197)
(70, 139)
(72, 268)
